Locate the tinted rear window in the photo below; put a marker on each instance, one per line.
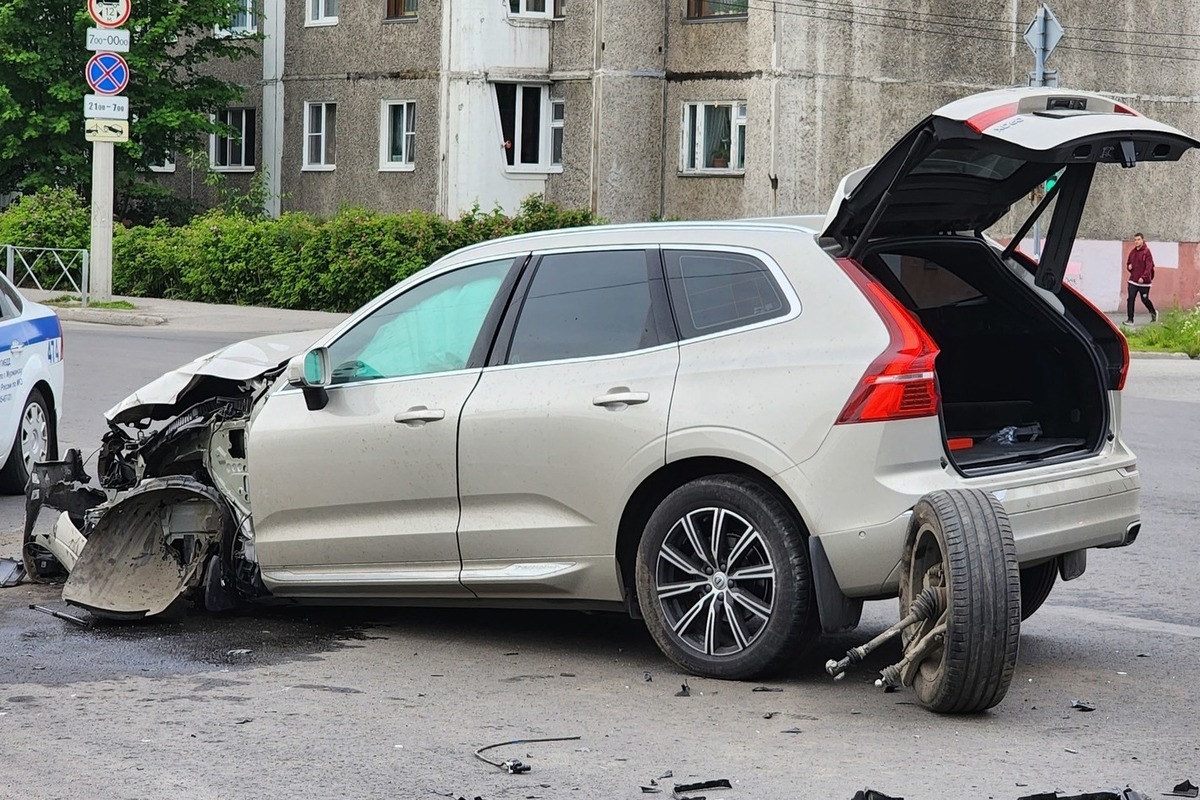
(929, 284)
(969, 161)
(714, 291)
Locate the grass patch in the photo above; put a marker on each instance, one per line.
(72, 300)
(1175, 332)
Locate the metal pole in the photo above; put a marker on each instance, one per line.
(8, 262)
(102, 213)
(1039, 79)
(83, 289)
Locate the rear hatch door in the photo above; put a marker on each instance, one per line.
(963, 167)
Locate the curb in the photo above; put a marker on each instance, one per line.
(1152, 354)
(104, 316)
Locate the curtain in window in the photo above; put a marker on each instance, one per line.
(716, 136)
(397, 128)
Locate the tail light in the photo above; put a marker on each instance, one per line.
(900, 383)
(1116, 331)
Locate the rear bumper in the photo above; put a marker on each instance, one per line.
(862, 525)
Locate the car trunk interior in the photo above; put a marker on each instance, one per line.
(1008, 359)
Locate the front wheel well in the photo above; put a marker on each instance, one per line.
(52, 410)
(655, 488)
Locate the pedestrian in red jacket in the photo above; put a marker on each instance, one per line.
(1140, 266)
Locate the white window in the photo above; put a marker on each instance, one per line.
(234, 152)
(558, 115)
(525, 126)
(244, 20)
(714, 137)
(536, 8)
(166, 165)
(320, 135)
(397, 135)
(322, 12)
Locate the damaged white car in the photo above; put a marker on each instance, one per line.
(737, 431)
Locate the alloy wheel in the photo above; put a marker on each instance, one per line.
(35, 435)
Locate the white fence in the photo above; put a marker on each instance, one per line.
(49, 268)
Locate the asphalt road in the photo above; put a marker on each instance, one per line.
(391, 703)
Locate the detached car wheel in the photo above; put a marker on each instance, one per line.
(1036, 583)
(723, 579)
(34, 441)
(961, 542)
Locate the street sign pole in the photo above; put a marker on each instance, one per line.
(102, 223)
(1042, 36)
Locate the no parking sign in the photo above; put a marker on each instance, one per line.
(107, 73)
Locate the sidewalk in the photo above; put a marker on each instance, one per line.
(183, 315)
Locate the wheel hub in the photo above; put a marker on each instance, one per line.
(719, 581)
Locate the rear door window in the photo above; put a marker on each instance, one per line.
(587, 304)
(715, 291)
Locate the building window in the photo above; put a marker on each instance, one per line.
(243, 22)
(234, 151)
(401, 9)
(714, 137)
(166, 165)
(525, 125)
(705, 9)
(397, 135)
(320, 135)
(536, 8)
(558, 115)
(322, 12)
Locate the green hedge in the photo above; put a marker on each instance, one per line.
(296, 261)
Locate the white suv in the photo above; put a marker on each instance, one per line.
(737, 430)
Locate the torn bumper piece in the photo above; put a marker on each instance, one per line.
(143, 552)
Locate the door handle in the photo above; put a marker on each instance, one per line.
(419, 415)
(623, 398)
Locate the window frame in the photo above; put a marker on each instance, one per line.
(215, 140)
(250, 8)
(306, 165)
(487, 330)
(551, 9)
(694, 11)
(783, 286)
(322, 19)
(659, 302)
(558, 129)
(543, 166)
(403, 16)
(408, 164)
(738, 130)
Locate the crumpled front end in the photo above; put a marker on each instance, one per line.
(171, 519)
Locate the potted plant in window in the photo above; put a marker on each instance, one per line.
(720, 155)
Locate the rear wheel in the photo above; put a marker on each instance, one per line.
(1036, 583)
(723, 579)
(961, 543)
(33, 442)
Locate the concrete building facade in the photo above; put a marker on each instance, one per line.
(682, 108)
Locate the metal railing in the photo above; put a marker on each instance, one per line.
(48, 267)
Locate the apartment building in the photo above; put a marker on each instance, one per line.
(688, 108)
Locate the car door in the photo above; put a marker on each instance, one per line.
(967, 164)
(361, 496)
(568, 417)
(14, 352)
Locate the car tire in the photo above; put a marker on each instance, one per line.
(751, 604)
(1036, 583)
(963, 541)
(36, 421)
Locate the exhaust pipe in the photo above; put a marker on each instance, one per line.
(1131, 533)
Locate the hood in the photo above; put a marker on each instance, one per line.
(243, 361)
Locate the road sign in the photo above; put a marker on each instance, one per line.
(106, 130)
(109, 13)
(1053, 33)
(96, 106)
(107, 73)
(108, 39)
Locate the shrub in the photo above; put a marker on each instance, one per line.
(49, 218)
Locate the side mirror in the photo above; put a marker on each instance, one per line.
(310, 373)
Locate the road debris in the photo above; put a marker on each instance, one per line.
(516, 766)
(1111, 794)
(648, 676)
(12, 572)
(771, 715)
(871, 794)
(1072, 752)
(719, 783)
(1185, 789)
(77, 620)
(793, 730)
(766, 689)
(1082, 706)
(241, 651)
(684, 690)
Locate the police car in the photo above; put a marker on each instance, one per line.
(31, 386)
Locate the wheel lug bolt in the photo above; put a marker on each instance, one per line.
(708, 570)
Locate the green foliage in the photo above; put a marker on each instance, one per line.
(42, 58)
(1175, 332)
(295, 261)
(54, 218)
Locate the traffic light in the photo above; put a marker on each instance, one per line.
(1053, 179)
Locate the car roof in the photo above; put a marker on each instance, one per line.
(637, 233)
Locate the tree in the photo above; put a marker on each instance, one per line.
(171, 92)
